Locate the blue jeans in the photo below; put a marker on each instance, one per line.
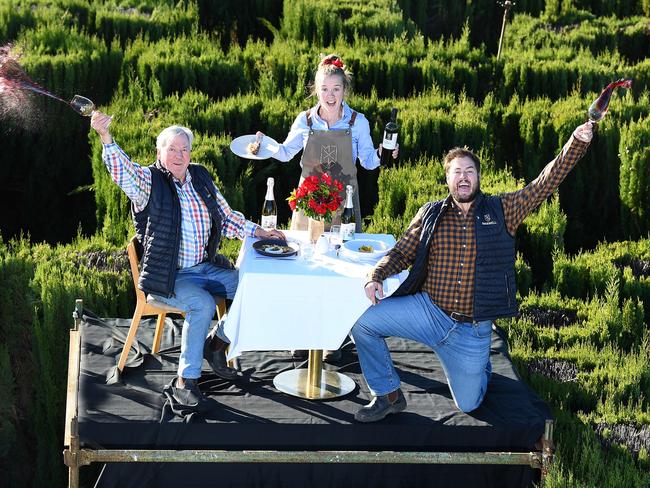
(193, 293)
(462, 347)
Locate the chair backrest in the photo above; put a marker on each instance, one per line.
(134, 261)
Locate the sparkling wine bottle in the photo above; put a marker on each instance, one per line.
(348, 224)
(390, 138)
(599, 107)
(269, 209)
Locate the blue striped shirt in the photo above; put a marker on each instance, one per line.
(135, 181)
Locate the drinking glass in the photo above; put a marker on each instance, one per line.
(335, 236)
(306, 251)
(82, 105)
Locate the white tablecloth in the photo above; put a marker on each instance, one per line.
(298, 303)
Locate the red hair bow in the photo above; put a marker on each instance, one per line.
(332, 60)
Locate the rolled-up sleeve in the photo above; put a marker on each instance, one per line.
(366, 151)
(234, 224)
(133, 179)
(295, 139)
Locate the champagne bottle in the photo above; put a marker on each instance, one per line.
(390, 138)
(348, 224)
(269, 209)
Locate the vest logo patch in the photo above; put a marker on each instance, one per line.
(328, 155)
(488, 220)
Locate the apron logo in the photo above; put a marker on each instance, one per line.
(328, 156)
(487, 220)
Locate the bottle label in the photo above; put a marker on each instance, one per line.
(390, 141)
(347, 231)
(269, 221)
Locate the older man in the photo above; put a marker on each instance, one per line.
(180, 216)
(461, 252)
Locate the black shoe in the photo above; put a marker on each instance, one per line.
(190, 396)
(332, 356)
(379, 407)
(217, 358)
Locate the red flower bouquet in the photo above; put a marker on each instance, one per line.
(317, 197)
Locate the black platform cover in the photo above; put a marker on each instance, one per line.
(251, 414)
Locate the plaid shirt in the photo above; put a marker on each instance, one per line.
(135, 181)
(452, 255)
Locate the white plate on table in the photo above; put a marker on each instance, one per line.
(268, 147)
(354, 250)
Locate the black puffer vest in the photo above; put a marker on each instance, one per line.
(494, 279)
(158, 228)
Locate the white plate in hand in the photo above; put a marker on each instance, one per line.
(268, 147)
(350, 249)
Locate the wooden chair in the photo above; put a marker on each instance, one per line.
(147, 308)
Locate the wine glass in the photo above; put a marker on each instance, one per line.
(82, 105)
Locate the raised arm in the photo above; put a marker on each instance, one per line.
(517, 205)
(133, 179)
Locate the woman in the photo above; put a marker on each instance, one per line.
(332, 135)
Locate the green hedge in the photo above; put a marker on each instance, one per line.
(17, 361)
(635, 178)
(67, 62)
(603, 321)
(154, 21)
(236, 21)
(540, 237)
(588, 274)
(185, 63)
(14, 19)
(40, 284)
(321, 22)
(629, 36)
(620, 8)
(403, 67)
(108, 19)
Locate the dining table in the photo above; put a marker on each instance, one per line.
(308, 300)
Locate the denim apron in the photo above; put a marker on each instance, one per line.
(329, 151)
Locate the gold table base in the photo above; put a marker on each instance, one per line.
(314, 383)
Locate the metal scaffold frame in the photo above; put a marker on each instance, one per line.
(75, 457)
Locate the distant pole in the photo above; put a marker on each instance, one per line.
(507, 4)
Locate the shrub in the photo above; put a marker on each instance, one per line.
(322, 22)
(635, 178)
(183, 64)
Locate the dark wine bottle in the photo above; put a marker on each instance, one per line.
(599, 107)
(348, 224)
(269, 209)
(390, 138)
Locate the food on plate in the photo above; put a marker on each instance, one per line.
(366, 249)
(254, 147)
(277, 249)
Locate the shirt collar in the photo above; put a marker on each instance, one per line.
(188, 175)
(344, 121)
(472, 207)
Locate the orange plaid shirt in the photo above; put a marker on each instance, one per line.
(452, 255)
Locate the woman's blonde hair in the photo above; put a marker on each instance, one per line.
(332, 64)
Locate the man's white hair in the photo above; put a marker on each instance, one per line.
(170, 132)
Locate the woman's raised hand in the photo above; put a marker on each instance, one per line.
(394, 154)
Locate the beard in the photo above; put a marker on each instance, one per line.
(465, 198)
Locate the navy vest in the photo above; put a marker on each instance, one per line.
(158, 229)
(495, 289)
